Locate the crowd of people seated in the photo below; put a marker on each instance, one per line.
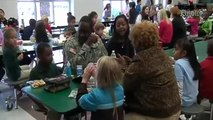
(140, 79)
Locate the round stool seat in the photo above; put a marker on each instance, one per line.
(18, 82)
(199, 39)
(193, 109)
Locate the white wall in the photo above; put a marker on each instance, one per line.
(81, 7)
(84, 7)
(9, 7)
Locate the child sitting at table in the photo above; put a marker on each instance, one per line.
(13, 23)
(105, 101)
(45, 19)
(11, 61)
(99, 30)
(120, 42)
(41, 34)
(45, 69)
(70, 29)
(187, 70)
(206, 83)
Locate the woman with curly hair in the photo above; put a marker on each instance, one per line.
(149, 81)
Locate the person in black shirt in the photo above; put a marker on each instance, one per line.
(179, 26)
(28, 31)
(120, 42)
(132, 13)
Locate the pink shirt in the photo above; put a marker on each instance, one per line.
(165, 31)
(194, 25)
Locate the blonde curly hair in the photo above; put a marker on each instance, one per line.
(144, 35)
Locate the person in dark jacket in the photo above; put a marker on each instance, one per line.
(28, 31)
(149, 81)
(132, 13)
(120, 42)
(179, 26)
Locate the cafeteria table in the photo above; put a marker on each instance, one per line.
(59, 101)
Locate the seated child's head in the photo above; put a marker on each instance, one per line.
(71, 21)
(32, 22)
(99, 29)
(12, 22)
(45, 19)
(108, 72)
(184, 48)
(44, 52)
(10, 37)
(210, 48)
(121, 28)
(93, 16)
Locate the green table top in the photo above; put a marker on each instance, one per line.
(59, 101)
(200, 48)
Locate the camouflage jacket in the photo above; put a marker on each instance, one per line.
(82, 55)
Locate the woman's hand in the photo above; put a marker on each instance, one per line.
(124, 61)
(93, 38)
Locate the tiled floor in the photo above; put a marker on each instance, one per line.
(14, 114)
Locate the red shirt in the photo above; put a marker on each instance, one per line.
(165, 31)
(206, 81)
(48, 27)
(194, 25)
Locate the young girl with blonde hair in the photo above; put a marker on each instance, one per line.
(105, 101)
(10, 59)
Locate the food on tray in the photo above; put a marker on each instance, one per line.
(38, 83)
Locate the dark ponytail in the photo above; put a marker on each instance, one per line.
(188, 46)
(106, 7)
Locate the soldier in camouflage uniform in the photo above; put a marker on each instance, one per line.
(84, 47)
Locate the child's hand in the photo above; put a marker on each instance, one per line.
(20, 57)
(87, 73)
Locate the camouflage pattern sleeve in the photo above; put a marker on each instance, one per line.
(82, 55)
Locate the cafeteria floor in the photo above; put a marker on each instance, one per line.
(25, 112)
